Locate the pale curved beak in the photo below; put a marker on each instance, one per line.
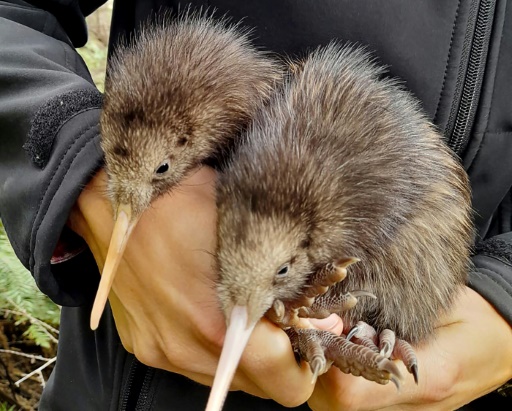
(122, 230)
(237, 336)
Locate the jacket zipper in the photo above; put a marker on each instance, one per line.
(469, 81)
(144, 401)
(136, 395)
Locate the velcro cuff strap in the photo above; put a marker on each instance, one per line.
(51, 116)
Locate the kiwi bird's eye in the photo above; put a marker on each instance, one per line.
(163, 167)
(283, 270)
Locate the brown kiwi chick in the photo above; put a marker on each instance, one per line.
(177, 96)
(341, 166)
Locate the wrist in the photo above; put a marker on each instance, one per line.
(73, 239)
(493, 325)
(91, 216)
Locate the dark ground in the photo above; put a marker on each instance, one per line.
(13, 367)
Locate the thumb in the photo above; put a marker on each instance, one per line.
(333, 323)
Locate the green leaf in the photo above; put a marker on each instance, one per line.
(5, 407)
(18, 292)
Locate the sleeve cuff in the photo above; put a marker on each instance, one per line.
(492, 279)
(77, 156)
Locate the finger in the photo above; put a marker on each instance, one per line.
(269, 361)
(438, 370)
(456, 367)
(336, 391)
(333, 323)
(178, 354)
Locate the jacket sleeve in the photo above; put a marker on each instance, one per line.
(492, 273)
(49, 136)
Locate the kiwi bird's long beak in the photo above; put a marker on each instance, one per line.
(123, 227)
(237, 336)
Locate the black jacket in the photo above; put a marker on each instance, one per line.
(456, 56)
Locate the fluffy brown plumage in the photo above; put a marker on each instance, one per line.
(175, 98)
(181, 93)
(344, 164)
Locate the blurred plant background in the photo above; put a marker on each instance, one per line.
(28, 333)
(29, 320)
(94, 52)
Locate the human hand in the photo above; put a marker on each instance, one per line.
(470, 357)
(163, 297)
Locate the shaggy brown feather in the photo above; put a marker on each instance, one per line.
(179, 94)
(344, 164)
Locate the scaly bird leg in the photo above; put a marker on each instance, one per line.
(405, 352)
(327, 304)
(364, 334)
(322, 348)
(388, 345)
(328, 275)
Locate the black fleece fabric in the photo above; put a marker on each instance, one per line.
(49, 149)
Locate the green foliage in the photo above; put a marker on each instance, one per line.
(94, 52)
(39, 335)
(5, 407)
(20, 297)
(95, 56)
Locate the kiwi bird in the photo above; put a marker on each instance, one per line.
(341, 175)
(177, 96)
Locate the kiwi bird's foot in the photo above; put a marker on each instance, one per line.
(386, 344)
(313, 302)
(283, 314)
(327, 304)
(321, 349)
(327, 276)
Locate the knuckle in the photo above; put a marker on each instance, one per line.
(181, 356)
(148, 355)
(214, 338)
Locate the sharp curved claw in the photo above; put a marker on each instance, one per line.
(395, 381)
(352, 333)
(389, 366)
(314, 378)
(362, 293)
(317, 365)
(386, 350)
(413, 369)
(345, 262)
(404, 351)
(394, 372)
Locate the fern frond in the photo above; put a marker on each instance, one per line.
(19, 293)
